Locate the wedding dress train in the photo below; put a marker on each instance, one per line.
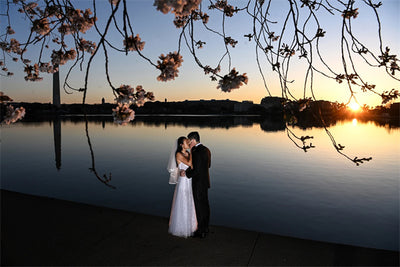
(183, 220)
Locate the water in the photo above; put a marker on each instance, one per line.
(259, 179)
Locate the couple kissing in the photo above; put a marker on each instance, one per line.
(188, 166)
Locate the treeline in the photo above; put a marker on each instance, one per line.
(271, 107)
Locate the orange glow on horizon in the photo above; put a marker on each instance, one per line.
(354, 106)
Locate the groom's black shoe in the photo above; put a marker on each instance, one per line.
(198, 234)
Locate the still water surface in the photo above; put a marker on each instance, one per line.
(260, 179)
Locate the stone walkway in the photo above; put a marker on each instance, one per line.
(43, 231)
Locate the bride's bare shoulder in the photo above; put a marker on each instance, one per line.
(179, 156)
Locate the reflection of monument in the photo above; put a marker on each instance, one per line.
(57, 141)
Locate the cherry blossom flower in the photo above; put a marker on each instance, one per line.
(168, 66)
(32, 73)
(13, 115)
(347, 14)
(41, 26)
(53, 10)
(78, 21)
(286, 51)
(223, 6)
(60, 58)
(3, 46)
(140, 96)
(232, 81)
(134, 43)
(230, 41)
(15, 46)
(81, 21)
(179, 8)
(87, 46)
(10, 30)
(123, 114)
(47, 67)
(126, 97)
(64, 29)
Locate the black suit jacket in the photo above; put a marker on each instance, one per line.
(201, 161)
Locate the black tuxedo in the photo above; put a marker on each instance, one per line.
(201, 161)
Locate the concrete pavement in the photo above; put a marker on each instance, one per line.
(43, 231)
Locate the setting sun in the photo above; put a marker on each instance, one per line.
(354, 106)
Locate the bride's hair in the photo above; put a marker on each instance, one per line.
(179, 146)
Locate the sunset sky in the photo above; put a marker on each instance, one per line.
(161, 37)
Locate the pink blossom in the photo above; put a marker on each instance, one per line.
(32, 73)
(10, 30)
(13, 115)
(123, 114)
(60, 58)
(179, 8)
(15, 46)
(53, 10)
(47, 67)
(128, 96)
(168, 66)
(41, 26)
(87, 46)
(134, 43)
(232, 81)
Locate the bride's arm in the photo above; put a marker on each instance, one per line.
(181, 158)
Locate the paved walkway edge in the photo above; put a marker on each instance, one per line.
(45, 231)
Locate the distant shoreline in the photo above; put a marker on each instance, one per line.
(166, 115)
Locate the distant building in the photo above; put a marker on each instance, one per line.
(103, 101)
(56, 88)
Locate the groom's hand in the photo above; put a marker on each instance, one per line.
(182, 173)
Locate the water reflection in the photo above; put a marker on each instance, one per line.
(267, 124)
(303, 142)
(259, 180)
(57, 141)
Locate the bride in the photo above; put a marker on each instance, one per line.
(183, 220)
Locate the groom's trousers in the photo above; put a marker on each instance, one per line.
(200, 197)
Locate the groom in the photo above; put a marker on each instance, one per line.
(201, 161)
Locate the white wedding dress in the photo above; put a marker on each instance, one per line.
(183, 221)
